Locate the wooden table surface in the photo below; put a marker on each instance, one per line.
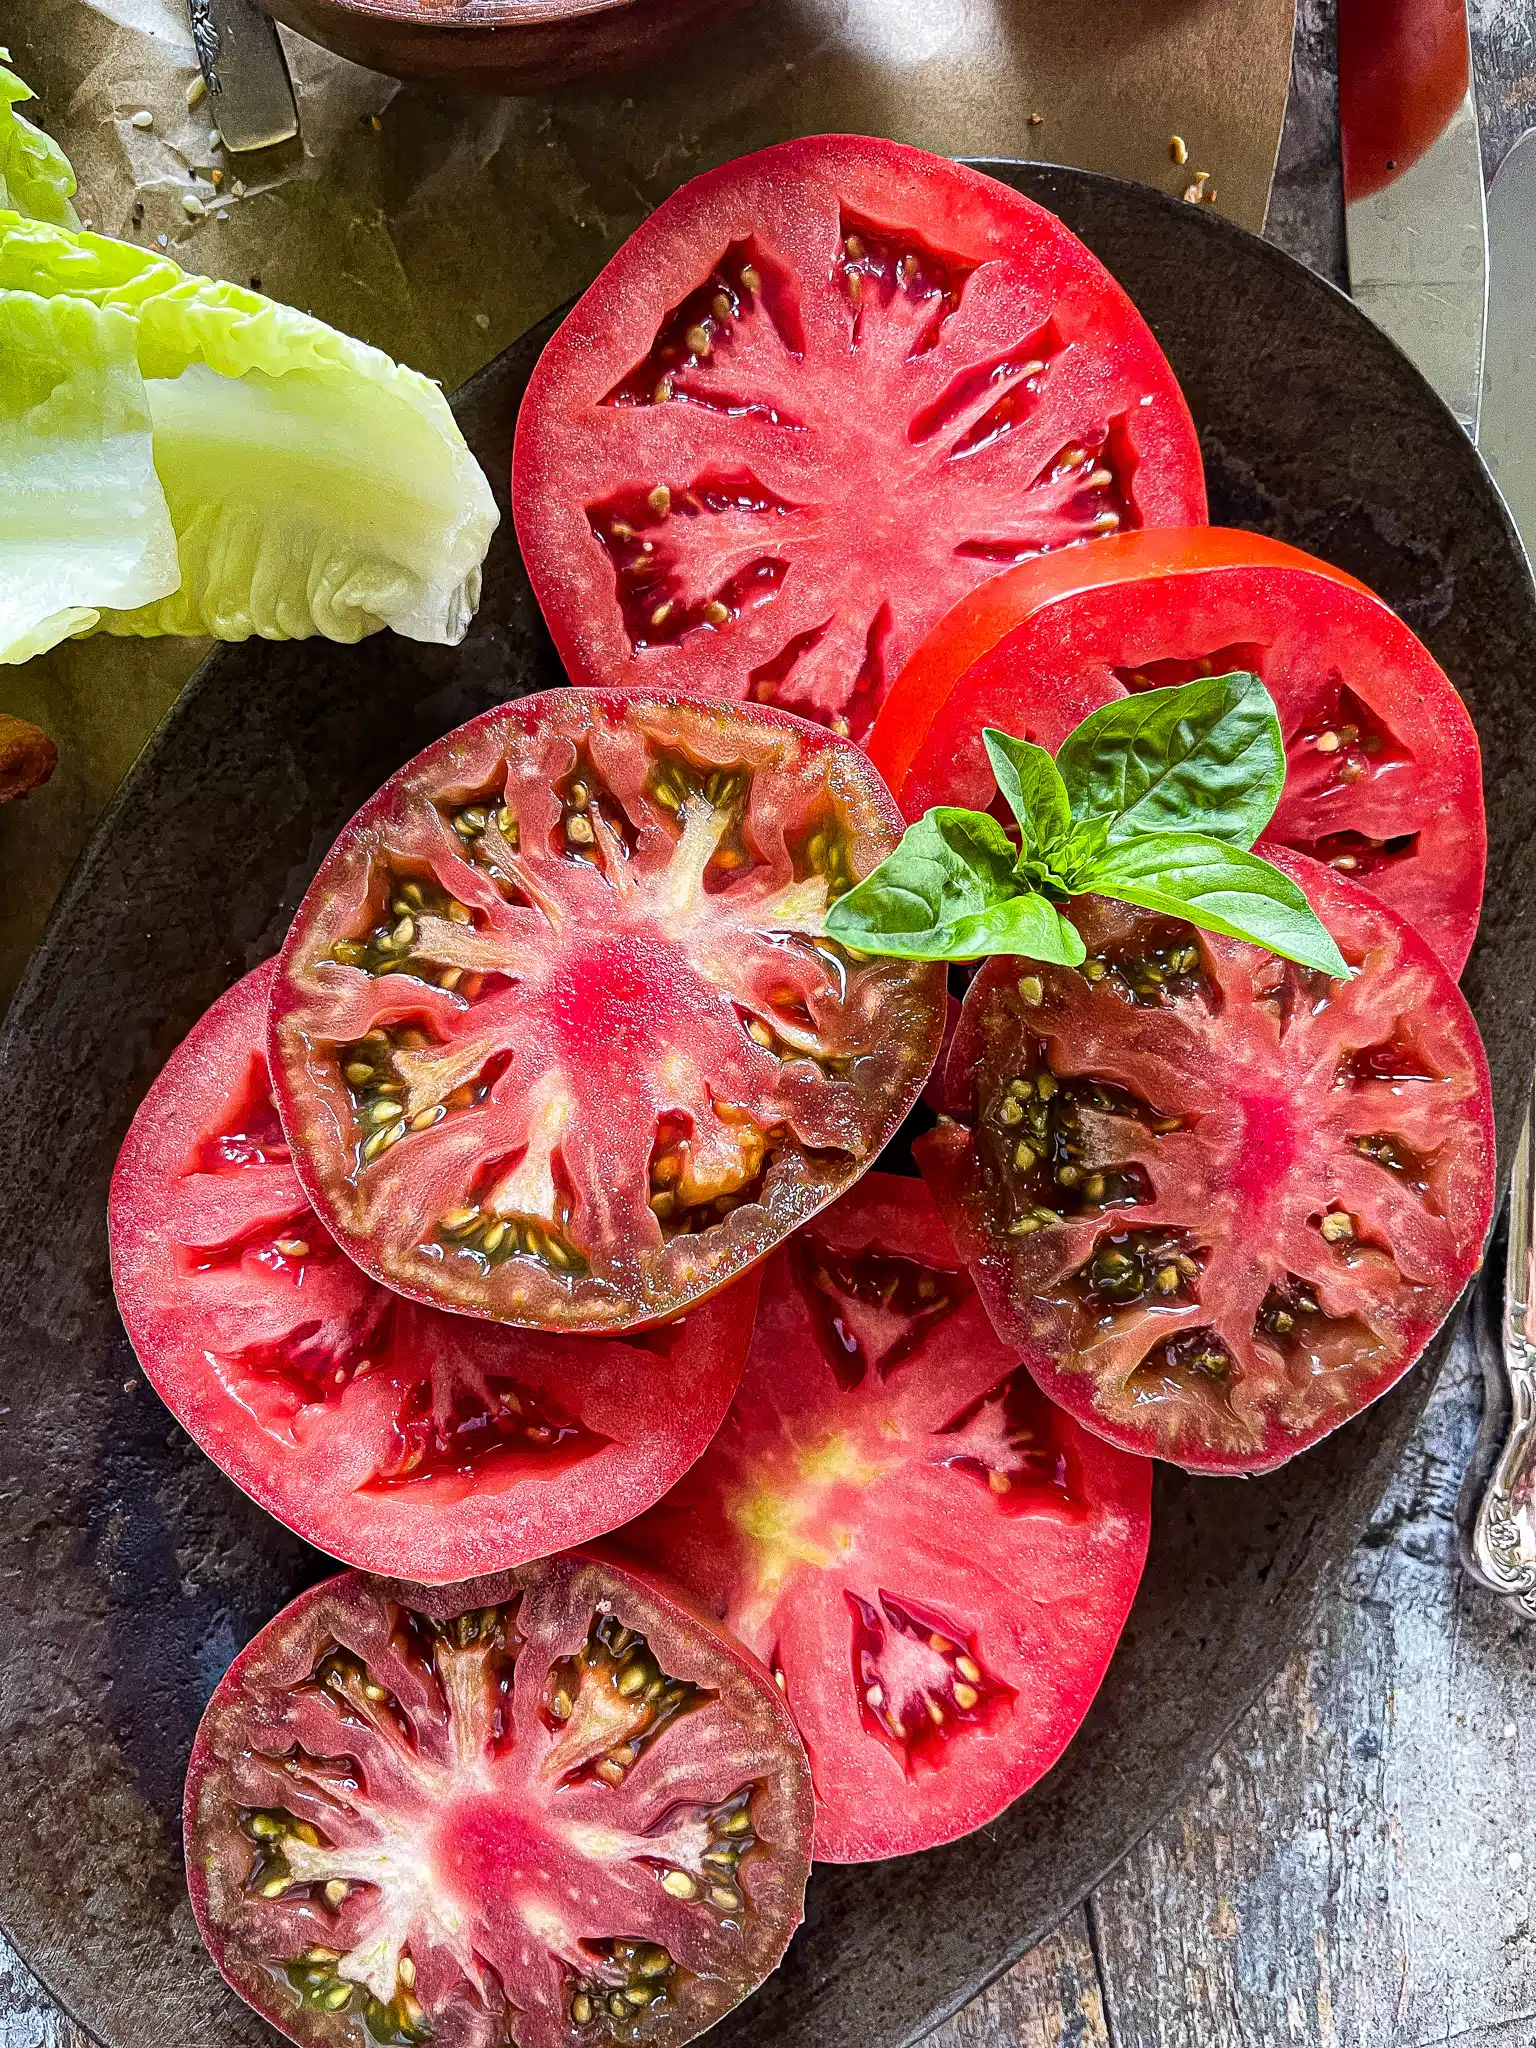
(1358, 1869)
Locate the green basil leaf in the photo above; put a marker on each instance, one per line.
(1032, 787)
(948, 893)
(1221, 888)
(1206, 757)
(1029, 926)
(1068, 859)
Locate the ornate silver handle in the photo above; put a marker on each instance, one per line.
(250, 95)
(1499, 1501)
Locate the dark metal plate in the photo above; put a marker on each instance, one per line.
(131, 1572)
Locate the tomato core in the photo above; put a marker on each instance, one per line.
(1268, 1149)
(484, 1849)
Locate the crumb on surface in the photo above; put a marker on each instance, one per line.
(27, 757)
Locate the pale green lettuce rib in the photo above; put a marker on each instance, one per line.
(83, 520)
(314, 485)
(35, 176)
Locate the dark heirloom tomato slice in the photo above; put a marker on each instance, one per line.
(1384, 778)
(557, 1035)
(1220, 1202)
(391, 1435)
(549, 1808)
(935, 1562)
(818, 395)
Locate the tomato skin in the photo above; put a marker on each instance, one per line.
(1403, 72)
(468, 1793)
(1037, 649)
(620, 994)
(244, 1343)
(1267, 1077)
(843, 445)
(891, 1460)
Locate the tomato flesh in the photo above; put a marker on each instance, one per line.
(1220, 1203)
(557, 1035)
(821, 393)
(1384, 775)
(552, 1806)
(935, 1561)
(387, 1433)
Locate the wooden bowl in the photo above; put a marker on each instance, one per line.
(505, 46)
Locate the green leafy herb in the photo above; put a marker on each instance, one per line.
(1156, 762)
(1154, 800)
(83, 519)
(1221, 888)
(950, 893)
(1031, 785)
(180, 455)
(35, 175)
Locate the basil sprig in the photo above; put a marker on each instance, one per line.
(1154, 800)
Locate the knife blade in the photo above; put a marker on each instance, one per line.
(250, 94)
(1498, 1505)
(1414, 221)
(1509, 371)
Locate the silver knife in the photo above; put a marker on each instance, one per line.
(250, 95)
(1509, 371)
(1499, 1543)
(1417, 242)
(1498, 1507)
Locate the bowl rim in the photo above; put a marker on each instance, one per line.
(485, 17)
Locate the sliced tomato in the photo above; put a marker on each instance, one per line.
(557, 1037)
(553, 1807)
(1219, 1202)
(821, 393)
(388, 1434)
(934, 1561)
(1383, 774)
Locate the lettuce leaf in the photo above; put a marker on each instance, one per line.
(35, 176)
(314, 485)
(83, 520)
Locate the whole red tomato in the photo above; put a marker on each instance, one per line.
(1403, 70)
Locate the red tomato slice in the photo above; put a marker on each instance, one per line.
(550, 1807)
(1220, 1202)
(934, 1561)
(391, 1435)
(821, 393)
(557, 1035)
(1384, 777)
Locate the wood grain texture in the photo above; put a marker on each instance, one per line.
(1357, 1872)
(1052, 1999)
